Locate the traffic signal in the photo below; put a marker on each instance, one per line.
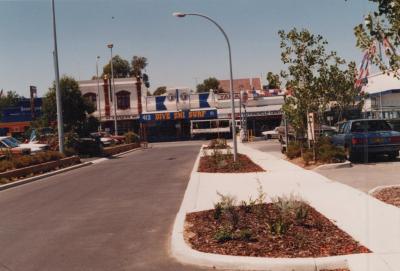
(146, 80)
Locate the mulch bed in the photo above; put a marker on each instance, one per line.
(225, 164)
(341, 269)
(315, 236)
(390, 195)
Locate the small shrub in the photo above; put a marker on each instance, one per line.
(308, 156)
(293, 150)
(223, 235)
(301, 212)
(219, 143)
(244, 235)
(279, 226)
(246, 207)
(228, 209)
(328, 153)
(218, 210)
(131, 137)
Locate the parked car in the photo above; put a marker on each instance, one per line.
(395, 124)
(271, 134)
(367, 136)
(8, 146)
(107, 139)
(33, 146)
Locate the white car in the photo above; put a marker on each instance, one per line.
(271, 134)
(33, 146)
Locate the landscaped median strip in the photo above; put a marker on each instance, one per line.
(353, 211)
(74, 160)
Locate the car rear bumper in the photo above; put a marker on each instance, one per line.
(376, 149)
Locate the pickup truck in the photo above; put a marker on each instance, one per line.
(367, 137)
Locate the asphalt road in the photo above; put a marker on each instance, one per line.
(116, 215)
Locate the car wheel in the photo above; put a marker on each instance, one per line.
(393, 155)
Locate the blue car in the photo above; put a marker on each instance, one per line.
(367, 137)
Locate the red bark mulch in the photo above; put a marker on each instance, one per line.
(390, 195)
(223, 163)
(314, 236)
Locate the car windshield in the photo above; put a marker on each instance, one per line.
(15, 141)
(9, 143)
(370, 126)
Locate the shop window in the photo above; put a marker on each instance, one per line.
(92, 98)
(123, 100)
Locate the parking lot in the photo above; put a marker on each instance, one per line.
(363, 176)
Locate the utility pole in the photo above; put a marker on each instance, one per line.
(60, 124)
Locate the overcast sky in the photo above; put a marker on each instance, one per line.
(180, 52)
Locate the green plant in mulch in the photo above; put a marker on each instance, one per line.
(328, 153)
(219, 143)
(289, 208)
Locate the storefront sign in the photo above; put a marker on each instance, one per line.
(190, 115)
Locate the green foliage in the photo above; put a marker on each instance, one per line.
(218, 210)
(160, 91)
(121, 67)
(288, 208)
(274, 81)
(218, 143)
(10, 98)
(227, 203)
(293, 150)
(308, 156)
(209, 83)
(328, 153)
(312, 75)
(75, 107)
(131, 137)
(384, 22)
(244, 235)
(138, 64)
(223, 235)
(21, 161)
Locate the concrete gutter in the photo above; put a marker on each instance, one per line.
(346, 164)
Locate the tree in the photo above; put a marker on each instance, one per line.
(138, 63)
(312, 74)
(11, 98)
(75, 107)
(383, 25)
(209, 83)
(160, 91)
(121, 67)
(273, 81)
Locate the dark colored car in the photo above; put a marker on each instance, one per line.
(367, 136)
(395, 123)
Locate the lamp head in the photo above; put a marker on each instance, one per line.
(179, 14)
(110, 45)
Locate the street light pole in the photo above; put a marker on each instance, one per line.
(110, 46)
(98, 90)
(181, 15)
(60, 124)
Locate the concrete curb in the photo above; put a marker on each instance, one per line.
(379, 188)
(185, 254)
(126, 152)
(42, 176)
(346, 164)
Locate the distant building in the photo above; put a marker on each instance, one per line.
(246, 84)
(128, 103)
(382, 96)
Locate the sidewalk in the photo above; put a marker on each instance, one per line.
(374, 224)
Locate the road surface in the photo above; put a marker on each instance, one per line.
(115, 215)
